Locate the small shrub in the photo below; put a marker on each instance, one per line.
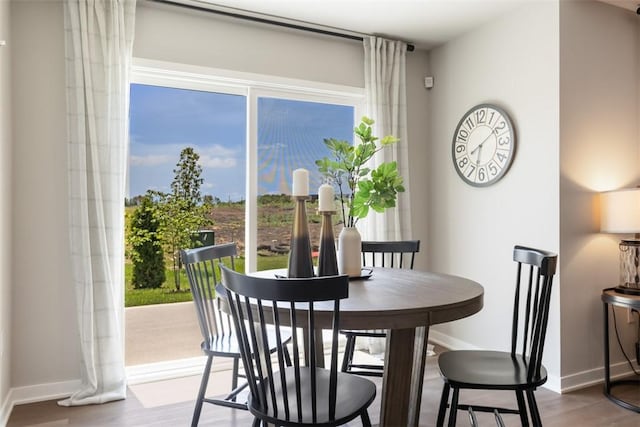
(146, 250)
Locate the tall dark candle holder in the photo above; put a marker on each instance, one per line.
(327, 259)
(300, 261)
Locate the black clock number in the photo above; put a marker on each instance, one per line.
(493, 169)
(501, 156)
(493, 113)
(470, 170)
(481, 115)
(481, 174)
(469, 122)
(463, 135)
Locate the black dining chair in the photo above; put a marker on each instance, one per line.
(219, 338)
(519, 370)
(297, 395)
(392, 254)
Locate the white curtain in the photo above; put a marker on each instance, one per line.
(98, 42)
(385, 92)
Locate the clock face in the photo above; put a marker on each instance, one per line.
(483, 145)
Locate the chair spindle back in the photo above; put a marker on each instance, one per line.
(533, 297)
(202, 268)
(393, 254)
(283, 392)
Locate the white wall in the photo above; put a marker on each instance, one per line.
(43, 301)
(599, 51)
(44, 347)
(512, 62)
(184, 36)
(418, 134)
(5, 206)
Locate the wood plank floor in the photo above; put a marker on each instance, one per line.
(170, 403)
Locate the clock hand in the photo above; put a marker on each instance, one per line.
(483, 141)
(479, 153)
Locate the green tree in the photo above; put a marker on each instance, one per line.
(146, 251)
(179, 220)
(183, 212)
(187, 181)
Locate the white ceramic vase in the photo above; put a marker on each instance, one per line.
(350, 252)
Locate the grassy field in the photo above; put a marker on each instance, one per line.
(168, 293)
(274, 224)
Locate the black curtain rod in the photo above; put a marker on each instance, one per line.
(410, 47)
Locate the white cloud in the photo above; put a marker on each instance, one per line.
(150, 160)
(217, 156)
(273, 146)
(218, 162)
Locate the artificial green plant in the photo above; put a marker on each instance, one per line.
(366, 188)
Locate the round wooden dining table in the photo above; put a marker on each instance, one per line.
(405, 303)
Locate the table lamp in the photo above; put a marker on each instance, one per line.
(620, 214)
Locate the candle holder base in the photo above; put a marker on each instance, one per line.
(300, 261)
(327, 259)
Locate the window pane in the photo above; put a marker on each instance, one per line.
(290, 136)
(165, 120)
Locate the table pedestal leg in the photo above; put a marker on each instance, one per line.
(417, 376)
(319, 349)
(396, 380)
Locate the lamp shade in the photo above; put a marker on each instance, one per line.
(620, 211)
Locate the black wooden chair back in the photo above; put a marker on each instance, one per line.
(535, 271)
(295, 395)
(393, 254)
(203, 273)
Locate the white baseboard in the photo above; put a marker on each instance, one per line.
(42, 392)
(159, 371)
(35, 393)
(5, 411)
(449, 342)
(594, 376)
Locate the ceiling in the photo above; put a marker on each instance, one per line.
(424, 23)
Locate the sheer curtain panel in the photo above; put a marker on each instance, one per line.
(98, 43)
(385, 93)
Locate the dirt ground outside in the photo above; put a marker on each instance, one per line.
(275, 221)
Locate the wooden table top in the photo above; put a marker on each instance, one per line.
(402, 298)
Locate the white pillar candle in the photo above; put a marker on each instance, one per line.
(325, 198)
(300, 182)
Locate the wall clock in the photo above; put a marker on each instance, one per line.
(483, 145)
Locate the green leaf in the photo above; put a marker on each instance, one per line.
(388, 140)
(366, 120)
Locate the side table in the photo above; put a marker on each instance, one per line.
(612, 298)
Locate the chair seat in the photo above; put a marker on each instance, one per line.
(353, 393)
(487, 370)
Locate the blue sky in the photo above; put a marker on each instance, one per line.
(163, 121)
